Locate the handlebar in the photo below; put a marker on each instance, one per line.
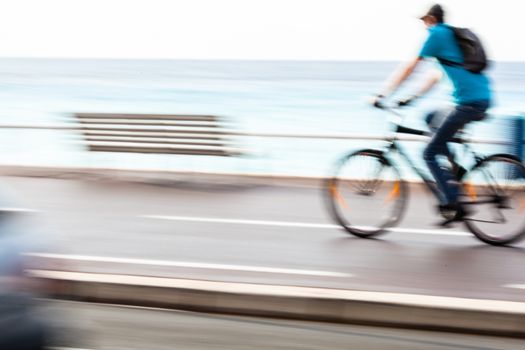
(398, 104)
(387, 108)
(398, 127)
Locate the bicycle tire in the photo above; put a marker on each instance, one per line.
(486, 180)
(368, 187)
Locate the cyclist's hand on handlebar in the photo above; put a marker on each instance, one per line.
(378, 101)
(406, 101)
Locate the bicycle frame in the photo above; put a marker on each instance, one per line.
(394, 146)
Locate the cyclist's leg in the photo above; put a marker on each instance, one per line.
(438, 147)
(459, 117)
(434, 120)
(446, 182)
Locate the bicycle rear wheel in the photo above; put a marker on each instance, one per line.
(366, 194)
(494, 190)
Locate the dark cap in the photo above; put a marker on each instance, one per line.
(436, 11)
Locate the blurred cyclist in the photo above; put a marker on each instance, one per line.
(472, 96)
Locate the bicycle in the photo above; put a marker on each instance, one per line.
(493, 190)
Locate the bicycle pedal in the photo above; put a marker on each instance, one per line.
(447, 214)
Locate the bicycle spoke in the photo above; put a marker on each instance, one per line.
(366, 194)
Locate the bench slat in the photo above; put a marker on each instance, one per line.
(153, 146)
(146, 122)
(215, 131)
(160, 151)
(148, 116)
(170, 141)
(172, 135)
(161, 148)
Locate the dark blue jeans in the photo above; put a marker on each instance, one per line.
(456, 120)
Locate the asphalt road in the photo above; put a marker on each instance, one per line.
(256, 234)
(102, 327)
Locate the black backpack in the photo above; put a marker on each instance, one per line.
(474, 56)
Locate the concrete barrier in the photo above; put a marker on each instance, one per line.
(315, 304)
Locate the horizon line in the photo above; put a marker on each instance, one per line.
(219, 59)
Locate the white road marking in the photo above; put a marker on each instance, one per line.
(515, 286)
(430, 232)
(296, 224)
(189, 265)
(240, 221)
(19, 210)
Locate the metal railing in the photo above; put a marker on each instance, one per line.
(319, 160)
(334, 136)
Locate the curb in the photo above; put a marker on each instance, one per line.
(167, 177)
(476, 316)
(158, 176)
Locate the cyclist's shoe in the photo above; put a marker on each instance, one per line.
(452, 213)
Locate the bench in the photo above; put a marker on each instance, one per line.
(157, 133)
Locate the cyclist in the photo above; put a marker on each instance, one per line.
(472, 96)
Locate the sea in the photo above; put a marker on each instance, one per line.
(291, 97)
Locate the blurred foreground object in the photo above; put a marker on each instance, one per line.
(21, 329)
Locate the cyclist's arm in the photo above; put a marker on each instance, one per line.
(433, 78)
(401, 77)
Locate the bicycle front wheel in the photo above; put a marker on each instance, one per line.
(366, 194)
(494, 190)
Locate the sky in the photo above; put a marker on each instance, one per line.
(247, 29)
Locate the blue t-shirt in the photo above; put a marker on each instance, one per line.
(468, 86)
